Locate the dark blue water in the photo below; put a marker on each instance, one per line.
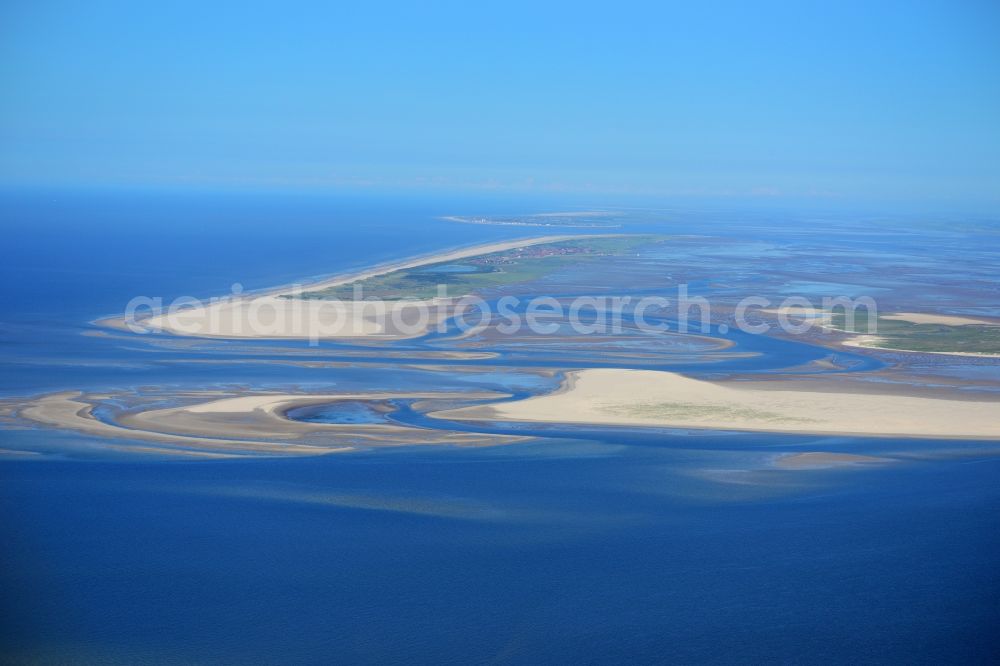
(576, 558)
(582, 546)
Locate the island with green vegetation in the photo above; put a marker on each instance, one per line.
(893, 334)
(491, 270)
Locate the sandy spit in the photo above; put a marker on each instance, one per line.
(266, 315)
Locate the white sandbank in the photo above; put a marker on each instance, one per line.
(946, 320)
(652, 398)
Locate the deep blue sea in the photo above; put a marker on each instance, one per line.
(588, 546)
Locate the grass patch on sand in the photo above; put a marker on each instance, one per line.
(907, 336)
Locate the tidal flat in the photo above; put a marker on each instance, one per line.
(372, 526)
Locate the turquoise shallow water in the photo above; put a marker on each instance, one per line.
(588, 546)
(341, 412)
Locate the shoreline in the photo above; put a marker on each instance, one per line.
(243, 425)
(870, 342)
(451, 254)
(223, 316)
(608, 397)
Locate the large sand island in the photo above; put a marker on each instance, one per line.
(652, 398)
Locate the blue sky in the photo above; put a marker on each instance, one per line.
(844, 100)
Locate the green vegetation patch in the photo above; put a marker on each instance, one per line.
(474, 274)
(894, 334)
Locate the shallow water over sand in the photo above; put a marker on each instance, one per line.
(578, 544)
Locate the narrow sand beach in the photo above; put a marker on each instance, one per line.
(653, 398)
(276, 314)
(946, 320)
